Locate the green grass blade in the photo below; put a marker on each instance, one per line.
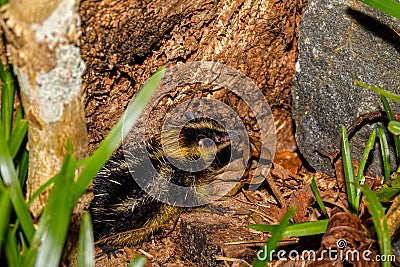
(385, 153)
(114, 137)
(380, 222)
(394, 127)
(364, 158)
(390, 115)
(390, 7)
(138, 261)
(41, 189)
(19, 114)
(273, 241)
(23, 167)
(315, 191)
(17, 137)
(387, 108)
(11, 250)
(296, 229)
(29, 257)
(7, 99)
(360, 174)
(5, 210)
(86, 243)
(379, 90)
(348, 170)
(53, 224)
(10, 179)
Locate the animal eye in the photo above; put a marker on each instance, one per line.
(206, 143)
(200, 137)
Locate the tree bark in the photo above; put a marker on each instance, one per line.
(43, 37)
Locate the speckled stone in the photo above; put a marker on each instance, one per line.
(340, 41)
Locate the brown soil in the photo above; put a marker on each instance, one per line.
(124, 42)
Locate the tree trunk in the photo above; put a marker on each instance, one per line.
(43, 41)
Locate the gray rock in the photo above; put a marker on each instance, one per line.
(340, 41)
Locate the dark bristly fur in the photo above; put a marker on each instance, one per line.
(123, 214)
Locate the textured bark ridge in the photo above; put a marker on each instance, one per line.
(43, 37)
